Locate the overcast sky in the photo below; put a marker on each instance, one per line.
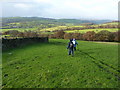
(77, 9)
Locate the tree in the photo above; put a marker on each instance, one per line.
(117, 36)
(52, 36)
(90, 35)
(111, 36)
(60, 34)
(77, 36)
(102, 36)
(30, 34)
(68, 35)
(13, 33)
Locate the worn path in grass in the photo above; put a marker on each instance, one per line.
(47, 65)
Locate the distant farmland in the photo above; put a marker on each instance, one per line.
(95, 30)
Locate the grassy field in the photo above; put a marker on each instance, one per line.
(104, 24)
(46, 29)
(69, 31)
(50, 30)
(47, 65)
(60, 28)
(20, 29)
(95, 30)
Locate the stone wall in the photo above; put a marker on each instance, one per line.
(12, 43)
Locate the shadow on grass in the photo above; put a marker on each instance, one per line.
(57, 43)
(23, 46)
(34, 44)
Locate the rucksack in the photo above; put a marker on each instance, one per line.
(71, 44)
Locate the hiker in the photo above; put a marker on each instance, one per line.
(70, 47)
(74, 43)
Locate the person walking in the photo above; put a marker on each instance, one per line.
(70, 47)
(74, 43)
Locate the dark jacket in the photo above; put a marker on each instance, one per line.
(69, 45)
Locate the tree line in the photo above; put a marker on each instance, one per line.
(103, 35)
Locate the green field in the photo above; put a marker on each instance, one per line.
(68, 28)
(95, 30)
(47, 65)
(19, 29)
(60, 28)
(104, 24)
(49, 30)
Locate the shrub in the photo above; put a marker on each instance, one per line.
(111, 36)
(102, 36)
(60, 34)
(52, 36)
(30, 34)
(11, 32)
(90, 36)
(68, 36)
(77, 36)
(44, 35)
(117, 36)
(20, 34)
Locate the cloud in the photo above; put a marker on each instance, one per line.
(103, 9)
(43, 1)
(86, 9)
(23, 6)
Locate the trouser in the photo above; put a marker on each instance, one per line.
(71, 52)
(74, 48)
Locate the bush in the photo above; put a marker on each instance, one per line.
(44, 35)
(13, 33)
(68, 36)
(90, 36)
(111, 36)
(30, 34)
(117, 36)
(77, 36)
(20, 34)
(60, 34)
(102, 36)
(52, 36)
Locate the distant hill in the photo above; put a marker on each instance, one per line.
(78, 21)
(51, 20)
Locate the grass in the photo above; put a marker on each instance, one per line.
(59, 28)
(95, 30)
(104, 24)
(47, 65)
(19, 29)
(13, 23)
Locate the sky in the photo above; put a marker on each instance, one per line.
(72, 9)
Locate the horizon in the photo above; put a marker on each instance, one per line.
(57, 18)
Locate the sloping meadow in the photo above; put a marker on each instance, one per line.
(48, 65)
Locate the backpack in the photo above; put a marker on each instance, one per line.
(71, 44)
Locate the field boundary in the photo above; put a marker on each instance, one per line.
(13, 43)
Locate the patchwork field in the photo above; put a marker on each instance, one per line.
(19, 29)
(51, 28)
(95, 30)
(47, 65)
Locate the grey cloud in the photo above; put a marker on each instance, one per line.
(85, 9)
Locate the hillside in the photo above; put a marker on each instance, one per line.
(94, 65)
(50, 20)
(47, 27)
(39, 23)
